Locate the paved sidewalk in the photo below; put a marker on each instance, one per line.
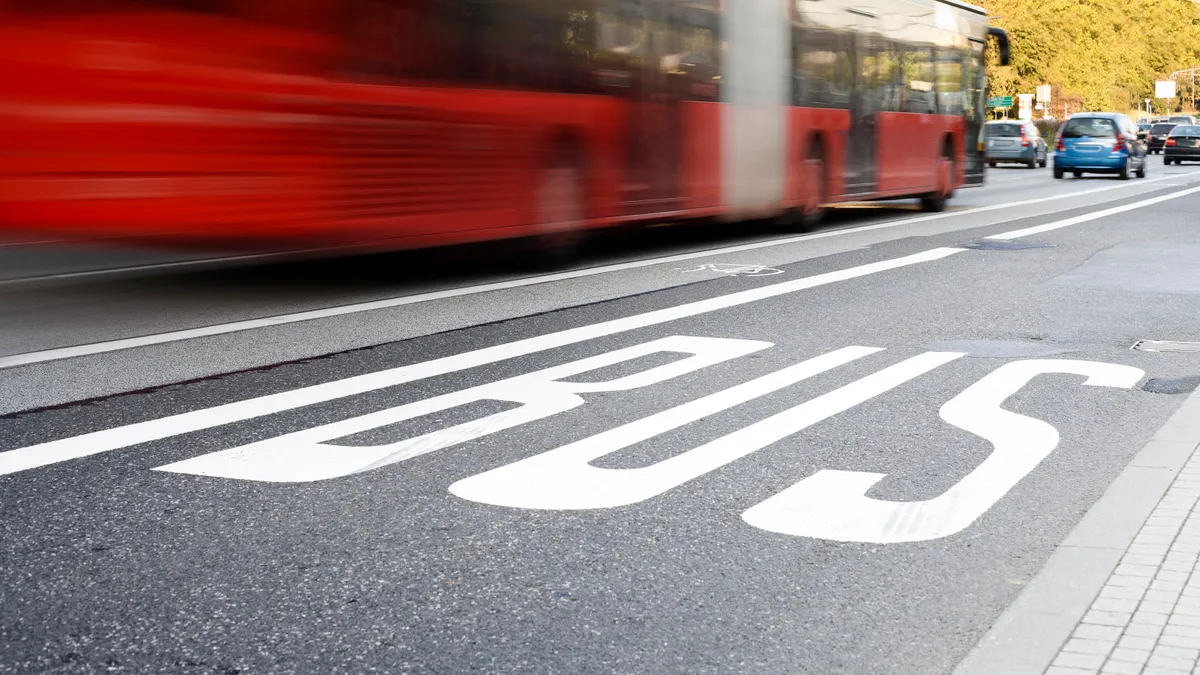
(1121, 594)
(1146, 619)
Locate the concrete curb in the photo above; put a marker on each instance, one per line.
(1027, 637)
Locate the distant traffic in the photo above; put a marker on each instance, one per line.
(1094, 143)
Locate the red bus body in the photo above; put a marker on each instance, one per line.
(254, 124)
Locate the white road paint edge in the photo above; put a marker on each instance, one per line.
(42, 356)
(43, 454)
(1038, 229)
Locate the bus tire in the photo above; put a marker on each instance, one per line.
(812, 212)
(560, 210)
(935, 202)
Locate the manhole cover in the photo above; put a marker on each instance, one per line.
(1006, 245)
(1165, 346)
(1181, 385)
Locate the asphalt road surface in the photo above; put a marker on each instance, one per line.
(714, 450)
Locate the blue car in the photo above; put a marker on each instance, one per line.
(1100, 143)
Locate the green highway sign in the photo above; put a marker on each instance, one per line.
(1000, 102)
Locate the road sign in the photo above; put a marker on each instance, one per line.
(1000, 102)
(1043, 94)
(1164, 89)
(1026, 111)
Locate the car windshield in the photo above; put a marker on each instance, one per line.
(1182, 120)
(1186, 130)
(1160, 129)
(1003, 130)
(1092, 127)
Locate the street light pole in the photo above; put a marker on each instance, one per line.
(1192, 72)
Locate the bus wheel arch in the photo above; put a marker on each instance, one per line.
(814, 171)
(947, 173)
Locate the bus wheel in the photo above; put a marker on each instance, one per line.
(560, 213)
(816, 189)
(936, 201)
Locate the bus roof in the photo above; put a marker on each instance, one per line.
(963, 5)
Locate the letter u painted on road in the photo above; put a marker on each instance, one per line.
(563, 478)
(308, 455)
(834, 505)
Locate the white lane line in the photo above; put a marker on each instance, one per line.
(314, 454)
(60, 353)
(1095, 215)
(33, 456)
(199, 262)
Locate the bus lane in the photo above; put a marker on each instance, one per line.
(873, 449)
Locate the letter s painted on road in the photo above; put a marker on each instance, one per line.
(833, 504)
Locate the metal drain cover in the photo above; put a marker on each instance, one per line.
(1165, 346)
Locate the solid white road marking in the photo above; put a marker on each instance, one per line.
(43, 356)
(563, 478)
(1095, 215)
(43, 454)
(834, 505)
(308, 455)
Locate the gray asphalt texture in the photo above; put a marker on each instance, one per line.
(110, 566)
(81, 310)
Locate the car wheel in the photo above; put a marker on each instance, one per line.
(1058, 173)
(1032, 164)
(992, 164)
(1077, 174)
(1166, 161)
(1042, 163)
(1141, 172)
(1123, 174)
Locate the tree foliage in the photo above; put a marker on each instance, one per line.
(1102, 54)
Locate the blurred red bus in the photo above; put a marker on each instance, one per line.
(405, 123)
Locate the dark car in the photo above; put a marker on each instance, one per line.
(1100, 143)
(1014, 142)
(1183, 145)
(1157, 136)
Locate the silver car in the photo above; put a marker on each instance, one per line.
(1014, 142)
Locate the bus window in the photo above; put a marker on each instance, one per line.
(919, 81)
(890, 78)
(825, 72)
(527, 44)
(951, 89)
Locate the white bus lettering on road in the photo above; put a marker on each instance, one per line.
(129, 435)
(833, 504)
(308, 455)
(563, 478)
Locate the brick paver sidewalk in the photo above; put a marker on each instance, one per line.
(1146, 620)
